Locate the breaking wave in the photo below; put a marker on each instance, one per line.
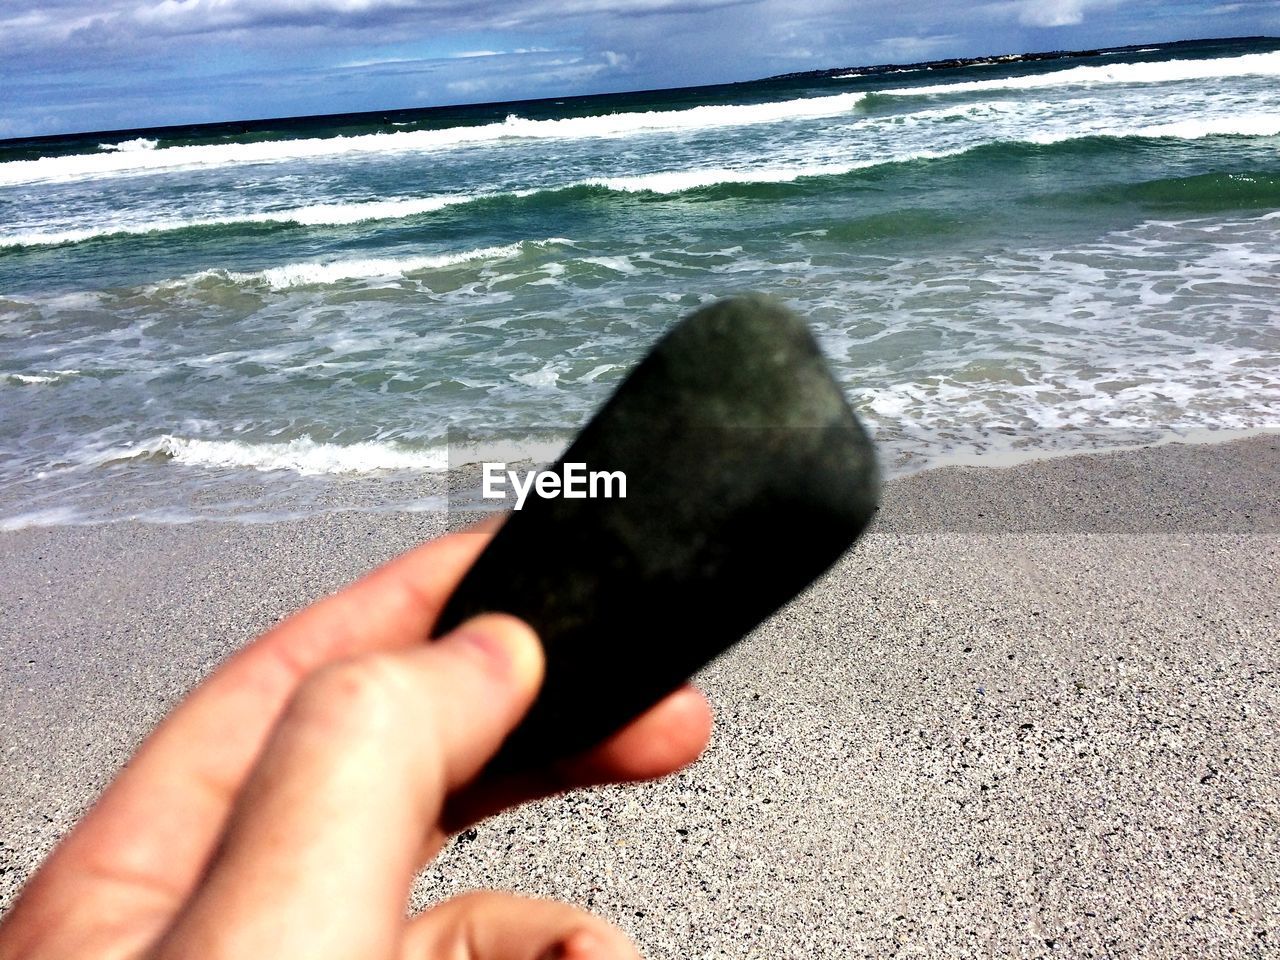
(314, 215)
(1165, 71)
(663, 183)
(129, 146)
(319, 274)
(302, 456)
(132, 158)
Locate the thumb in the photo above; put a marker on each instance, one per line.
(488, 672)
(487, 925)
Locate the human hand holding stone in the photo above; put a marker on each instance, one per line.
(283, 809)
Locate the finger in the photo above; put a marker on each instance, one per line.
(138, 853)
(501, 926)
(669, 735)
(324, 841)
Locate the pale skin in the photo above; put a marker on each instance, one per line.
(283, 809)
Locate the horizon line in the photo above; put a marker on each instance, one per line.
(386, 113)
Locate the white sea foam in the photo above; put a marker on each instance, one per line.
(32, 378)
(680, 181)
(546, 376)
(1161, 72)
(319, 274)
(1242, 125)
(123, 159)
(592, 375)
(1164, 71)
(49, 517)
(322, 214)
(49, 376)
(303, 455)
(129, 146)
(616, 264)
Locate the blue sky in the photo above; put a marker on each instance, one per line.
(76, 65)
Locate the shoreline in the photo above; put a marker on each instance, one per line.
(432, 492)
(1046, 725)
(999, 459)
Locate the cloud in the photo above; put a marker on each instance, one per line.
(1052, 13)
(912, 49)
(1046, 13)
(515, 75)
(385, 61)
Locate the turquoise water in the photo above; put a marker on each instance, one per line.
(250, 323)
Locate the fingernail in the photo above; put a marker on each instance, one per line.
(494, 647)
(509, 645)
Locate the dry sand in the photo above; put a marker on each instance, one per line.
(1036, 712)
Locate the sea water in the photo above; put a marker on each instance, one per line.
(270, 319)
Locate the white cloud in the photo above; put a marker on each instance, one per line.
(911, 49)
(461, 55)
(1047, 13)
(382, 61)
(1052, 13)
(514, 78)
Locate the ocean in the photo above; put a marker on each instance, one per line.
(264, 320)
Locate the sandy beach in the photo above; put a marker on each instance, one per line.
(1036, 712)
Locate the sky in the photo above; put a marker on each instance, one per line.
(81, 65)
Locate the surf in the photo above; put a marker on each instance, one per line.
(302, 455)
(703, 183)
(140, 157)
(1165, 71)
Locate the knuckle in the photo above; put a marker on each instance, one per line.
(352, 699)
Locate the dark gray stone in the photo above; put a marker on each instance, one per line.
(747, 477)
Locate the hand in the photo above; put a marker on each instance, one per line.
(283, 809)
